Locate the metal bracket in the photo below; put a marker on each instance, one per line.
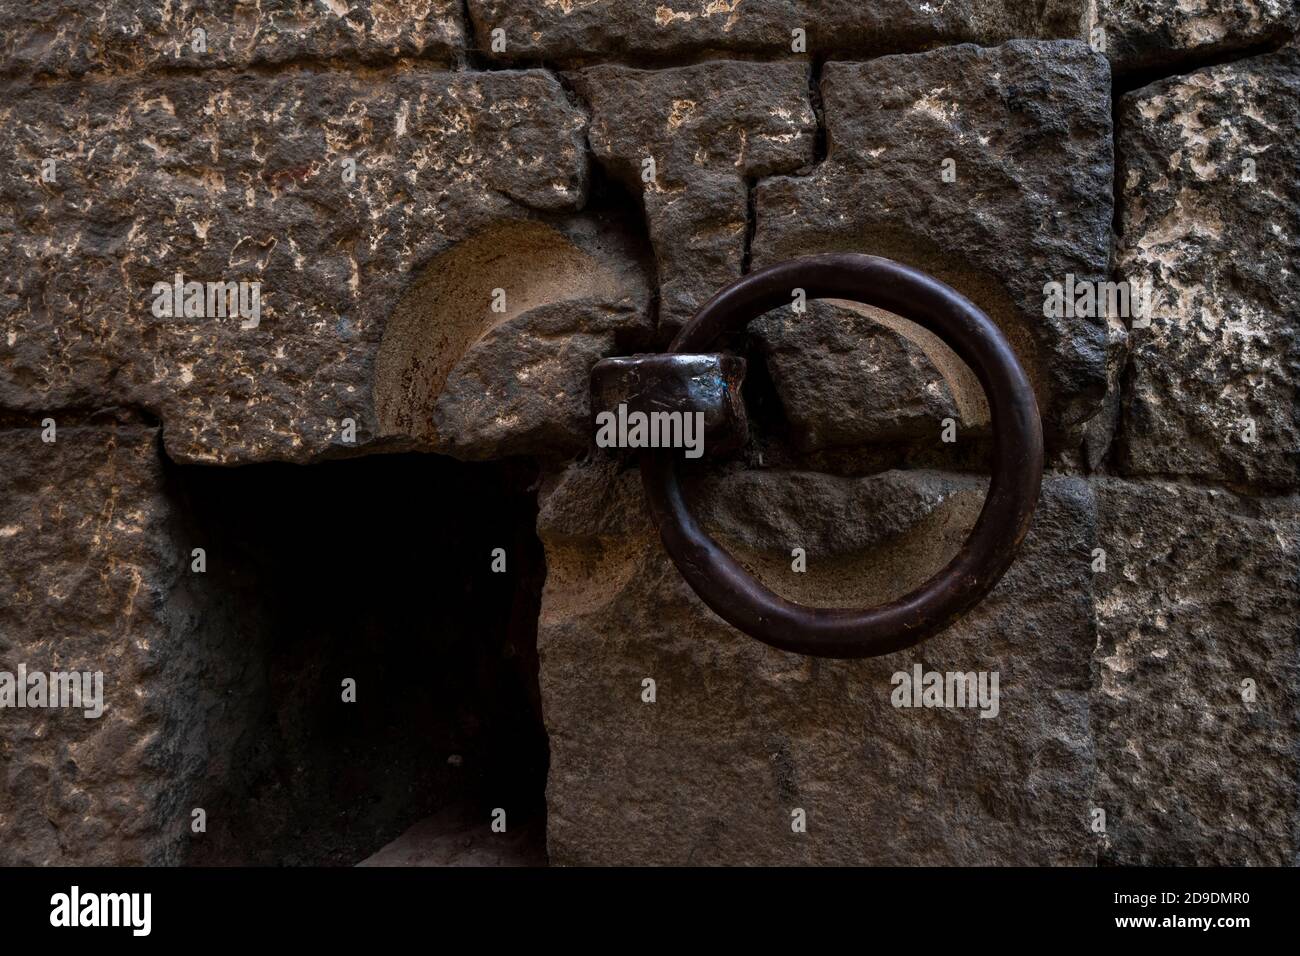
(670, 383)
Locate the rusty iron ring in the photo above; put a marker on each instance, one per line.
(742, 601)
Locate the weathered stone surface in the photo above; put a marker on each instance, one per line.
(698, 233)
(707, 128)
(845, 378)
(1199, 595)
(1028, 127)
(1147, 34)
(1209, 217)
(74, 37)
(593, 30)
(242, 179)
(741, 734)
(89, 565)
(747, 119)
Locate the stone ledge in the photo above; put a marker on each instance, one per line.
(57, 38)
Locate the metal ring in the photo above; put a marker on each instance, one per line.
(746, 604)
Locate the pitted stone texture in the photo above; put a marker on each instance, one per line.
(74, 37)
(523, 388)
(243, 179)
(746, 119)
(1028, 126)
(592, 30)
(1150, 34)
(740, 734)
(698, 233)
(90, 569)
(1199, 595)
(708, 128)
(1221, 354)
(845, 378)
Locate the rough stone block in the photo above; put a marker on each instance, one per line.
(74, 37)
(246, 178)
(1199, 595)
(708, 128)
(90, 565)
(698, 232)
(845, 377)
(1160, 34)
(593, 30)
(1209, 212)
(1027, 126)
(740, 735)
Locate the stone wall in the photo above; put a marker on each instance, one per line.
(453, 210)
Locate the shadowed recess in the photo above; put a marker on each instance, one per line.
(377, 570)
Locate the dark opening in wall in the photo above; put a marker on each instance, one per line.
(377, 570)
